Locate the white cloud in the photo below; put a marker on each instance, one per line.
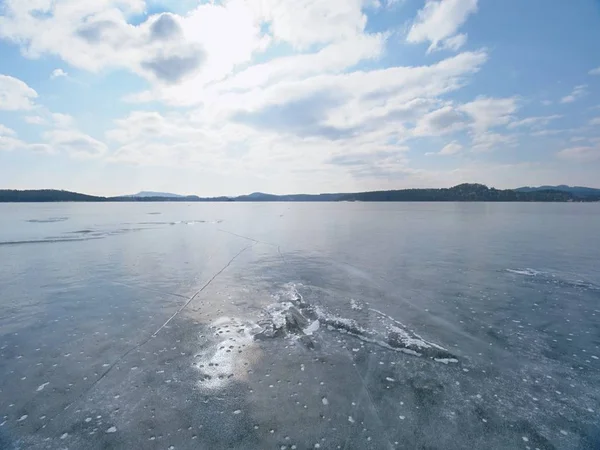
(35, 120)
(96, 35)
(75, 143)
(58, 73)
(595, 121)
(205, 45)
(310, 22)
(489, 112)
(9, 141)
(15, 95)
(483, 142)
(595, 71)
(454, 43)
(438, 22)
(580, 154)
(315, 110)
(450, 149)
(577, 93)
(5, 131)
(297, 124)
(534, 122)
(439, 122)
(62, 120)
(547, 132)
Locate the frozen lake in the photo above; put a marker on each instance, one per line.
(291, 325)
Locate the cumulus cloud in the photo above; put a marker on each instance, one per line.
(96, 35)
(577, 93)
(6, 131)
(438, 23)
(15, 94)
(326, 104)
(312, 22)
(489, 112)
(351, 122)
(165, 27)
(58, 73)
(75, 143)
(9, 141)
(62, 120)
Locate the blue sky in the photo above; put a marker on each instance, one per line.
(231, 97)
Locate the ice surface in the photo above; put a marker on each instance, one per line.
(225, 352)
(314, 352)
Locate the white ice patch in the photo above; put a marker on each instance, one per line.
(356, 306)
(408, 340)
(291, 294)
(41, 387)
(277, 313)
(309, 330)
(387, 333)
(527, 272)
(446, 360)
(223, 361)
(112, 430)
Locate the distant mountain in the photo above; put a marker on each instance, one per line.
(155, 194)
(460, 193)
(578, 191)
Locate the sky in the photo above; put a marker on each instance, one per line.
(229, 97)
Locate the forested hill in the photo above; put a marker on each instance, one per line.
(46, 195)
(460, 193)
(463, 193)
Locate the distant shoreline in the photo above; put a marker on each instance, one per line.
(460, 193)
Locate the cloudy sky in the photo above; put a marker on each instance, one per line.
(235, 96)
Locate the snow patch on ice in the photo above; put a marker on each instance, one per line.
(528, 272)
(446, 360)
(223, 360)
(309, 330)
(356, 306)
